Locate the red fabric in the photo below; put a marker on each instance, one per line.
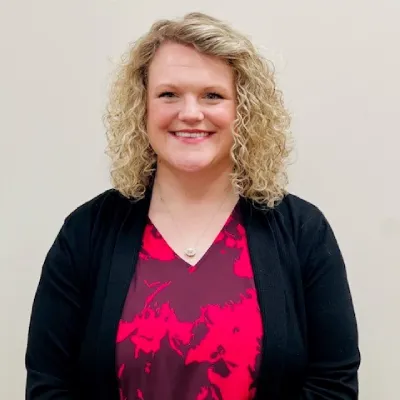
(191, 333)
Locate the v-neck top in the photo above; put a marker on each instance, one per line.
(191, 332)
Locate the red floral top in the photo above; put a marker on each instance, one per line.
(191, 333)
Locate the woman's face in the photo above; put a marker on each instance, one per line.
(191, 107)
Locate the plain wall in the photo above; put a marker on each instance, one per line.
(338, 63)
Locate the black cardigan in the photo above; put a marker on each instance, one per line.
(310, 348)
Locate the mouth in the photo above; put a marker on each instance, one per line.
(190, 137)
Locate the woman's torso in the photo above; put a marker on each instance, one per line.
(191, 332)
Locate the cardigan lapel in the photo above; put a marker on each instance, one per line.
(122, 269)
(270, 290)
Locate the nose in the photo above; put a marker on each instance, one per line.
(191, 111)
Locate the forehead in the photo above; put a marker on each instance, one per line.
(174, 62)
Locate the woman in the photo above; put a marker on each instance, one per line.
(197, 276)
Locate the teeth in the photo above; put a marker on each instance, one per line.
(191, 135)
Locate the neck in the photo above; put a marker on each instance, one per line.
(187, 187)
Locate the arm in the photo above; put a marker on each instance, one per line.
(57, 318)
(332, 331)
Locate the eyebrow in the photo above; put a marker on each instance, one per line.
(210, 88)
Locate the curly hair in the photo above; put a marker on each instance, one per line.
(260, 130)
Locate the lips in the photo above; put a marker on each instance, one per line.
(191, 134)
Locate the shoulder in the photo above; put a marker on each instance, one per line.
(90, 223)
(104, 205)
(91, 220)
(303, 223)
(299, 214)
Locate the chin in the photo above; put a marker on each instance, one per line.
(192, 166)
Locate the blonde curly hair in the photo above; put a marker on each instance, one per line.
(260, 130)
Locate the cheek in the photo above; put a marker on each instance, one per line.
(223, 117)
(160, 116)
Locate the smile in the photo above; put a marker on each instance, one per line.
(191, 134)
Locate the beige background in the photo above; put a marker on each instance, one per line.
(338, 63)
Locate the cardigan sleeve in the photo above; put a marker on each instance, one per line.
(57, 317)
(332, 334)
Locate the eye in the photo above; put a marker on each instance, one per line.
(213, 96)
(167, 94)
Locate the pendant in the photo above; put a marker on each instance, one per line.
(190, 252)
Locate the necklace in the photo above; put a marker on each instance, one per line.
(191, 251)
